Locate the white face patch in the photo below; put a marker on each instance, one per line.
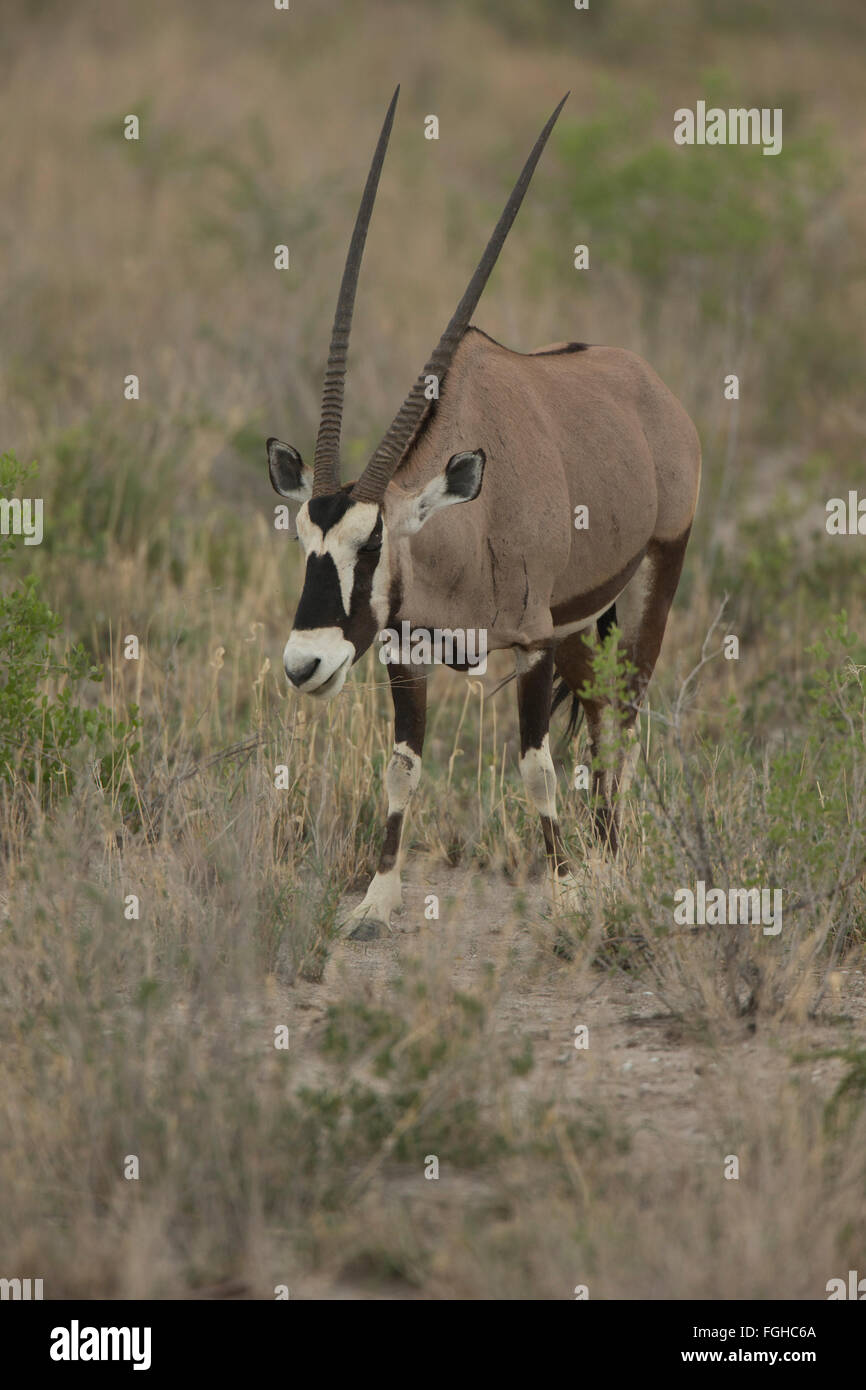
(309, 534)
(380, 593)
(341, 542)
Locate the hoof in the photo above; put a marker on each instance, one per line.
(368, 929)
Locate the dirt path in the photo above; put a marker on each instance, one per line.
(672, 1090)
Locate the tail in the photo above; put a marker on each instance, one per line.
(561, 692)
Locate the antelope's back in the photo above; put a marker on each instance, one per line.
(593, 427)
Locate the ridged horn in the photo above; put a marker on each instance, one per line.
(326, 462)
(371, 485)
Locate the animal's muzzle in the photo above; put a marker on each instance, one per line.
(317, 660)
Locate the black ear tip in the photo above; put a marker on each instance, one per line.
(277, 448)
(462, 459)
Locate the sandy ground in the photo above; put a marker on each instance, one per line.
(668, 1086)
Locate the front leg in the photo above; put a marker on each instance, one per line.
(372, 917)
(534, 691)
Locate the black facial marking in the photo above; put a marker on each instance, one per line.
(362, 627)
(321, 604)
(373, 543)
(327, 511)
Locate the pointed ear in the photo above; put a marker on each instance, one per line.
(460, 482)
(289, 477)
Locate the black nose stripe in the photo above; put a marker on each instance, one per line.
(321, 602)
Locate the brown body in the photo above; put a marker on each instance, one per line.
(561, 428)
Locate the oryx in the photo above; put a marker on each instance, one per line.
(548, 432)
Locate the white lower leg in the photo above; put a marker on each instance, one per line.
(539, 778)
(385, 893)
(539, 781)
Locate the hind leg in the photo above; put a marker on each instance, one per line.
(644, 605)
(641, 614)
(574, 664)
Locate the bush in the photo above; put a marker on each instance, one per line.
(42, 714)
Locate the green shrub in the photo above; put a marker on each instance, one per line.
(42, 714)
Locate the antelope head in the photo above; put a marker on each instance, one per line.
(349, 532)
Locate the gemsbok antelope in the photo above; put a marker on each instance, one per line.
(525, 440)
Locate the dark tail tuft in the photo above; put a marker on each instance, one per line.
(561, 693)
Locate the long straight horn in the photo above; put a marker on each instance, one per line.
(326, 462)
(371, 485)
